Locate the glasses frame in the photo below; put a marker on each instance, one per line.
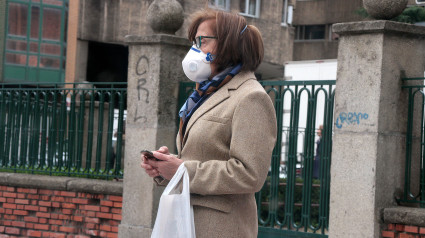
(198, 40)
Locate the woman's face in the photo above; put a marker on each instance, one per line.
(208, 45)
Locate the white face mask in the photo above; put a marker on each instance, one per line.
(196, 65)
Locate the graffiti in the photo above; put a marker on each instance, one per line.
(142, 65)
(140, 83)
(141, 117)
(142, 68)
(350, 118)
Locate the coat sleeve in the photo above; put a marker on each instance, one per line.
(253, 136)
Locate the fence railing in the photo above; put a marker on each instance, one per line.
(63, 129)
(299, 201)
(292, 201)
(414, 182)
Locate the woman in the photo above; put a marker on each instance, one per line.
(228, 127)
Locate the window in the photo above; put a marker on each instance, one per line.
(220, 4)
(35, 41)
(250, 8)
(287, 11)
(310, 32)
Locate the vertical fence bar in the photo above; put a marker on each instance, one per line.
(25, 129)
(2, 126)
(44, 138)
(90, 133)
(274, 178)
(35, 131)
(10, 107)
(16, 130)
(409, 134)
(308, 160)
(99, 132)
(71, 133)
(80, 130)
(118, 157)
(292, 160)
(327, 158)
(276, 157)
(109, 134)
(52, 131)
(61, 132)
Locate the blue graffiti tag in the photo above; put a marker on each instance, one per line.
(350, 118)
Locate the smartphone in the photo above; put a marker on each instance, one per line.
(148, 154)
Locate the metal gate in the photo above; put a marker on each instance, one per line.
(294, 201)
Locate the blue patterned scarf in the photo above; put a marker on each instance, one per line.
(202, 92)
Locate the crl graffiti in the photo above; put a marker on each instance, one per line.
(350, 118)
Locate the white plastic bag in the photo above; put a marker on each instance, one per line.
(175, 214)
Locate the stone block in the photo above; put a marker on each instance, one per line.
(405, 215)
(95, 186)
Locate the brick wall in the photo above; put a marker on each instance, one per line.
(403, 231)
(35, 212)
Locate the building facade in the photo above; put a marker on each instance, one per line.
(39, 39)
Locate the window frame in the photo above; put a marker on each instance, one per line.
(257, 9)
(29, 72)
(287, 13)
(301, 31)
(216, 6)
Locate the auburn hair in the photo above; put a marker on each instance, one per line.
(235, 43)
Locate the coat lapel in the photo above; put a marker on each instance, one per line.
(221, 95)
(215, 99)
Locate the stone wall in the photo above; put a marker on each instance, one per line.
(326, 12)
(404, 222)
(306, 50)
(44, 206)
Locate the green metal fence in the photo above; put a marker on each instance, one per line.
(292, 203)
(414, 182)
(63, 129)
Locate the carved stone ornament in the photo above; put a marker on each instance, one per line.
(165, 16)
(384, 9)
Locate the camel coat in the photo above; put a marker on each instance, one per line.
(227, 150)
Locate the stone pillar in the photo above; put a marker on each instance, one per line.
(154, 74)
(153, 80)
(368, 156)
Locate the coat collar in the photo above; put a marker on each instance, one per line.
(221, 95)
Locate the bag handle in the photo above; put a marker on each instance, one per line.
(175, 180)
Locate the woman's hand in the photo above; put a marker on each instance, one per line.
(164, 150)
(165, 167)
(151, 171)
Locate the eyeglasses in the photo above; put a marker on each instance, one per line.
(198, 40)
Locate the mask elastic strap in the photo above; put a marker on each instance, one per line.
(244, 29)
